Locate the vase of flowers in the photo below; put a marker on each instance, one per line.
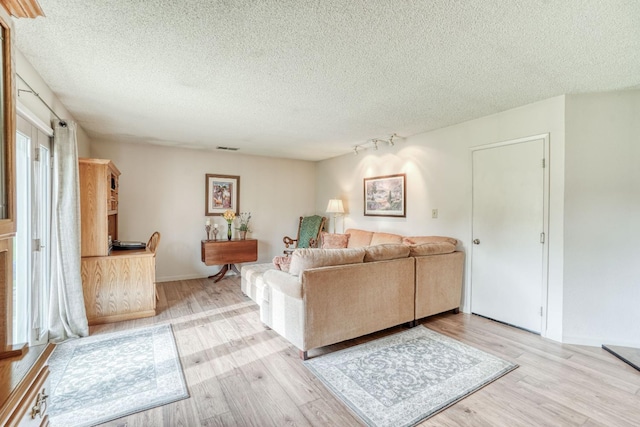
(245, 217)
(229, 216)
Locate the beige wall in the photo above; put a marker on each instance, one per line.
(163, 189)
(438, 169)
(602, 223)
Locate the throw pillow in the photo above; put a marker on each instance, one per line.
(304, 259)
(282, 263)
(334, 241)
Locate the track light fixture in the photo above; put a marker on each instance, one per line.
(374, 142)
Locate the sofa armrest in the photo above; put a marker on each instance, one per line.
(348, 301)
(438, 283)
(284, 282)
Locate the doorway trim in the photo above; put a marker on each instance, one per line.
(545, 218)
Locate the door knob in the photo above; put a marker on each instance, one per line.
(476, 241)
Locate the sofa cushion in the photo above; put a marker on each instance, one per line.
(385, 252)
(334, 241)
(383, 238)
(252, 283)
(432, 249)
(359, 238)
(418, 240)
(284, 283)
(304, 259)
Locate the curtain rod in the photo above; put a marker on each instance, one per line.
(62, 122)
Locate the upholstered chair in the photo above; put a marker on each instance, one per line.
(309, 229)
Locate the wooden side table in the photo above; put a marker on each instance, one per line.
(227, 253)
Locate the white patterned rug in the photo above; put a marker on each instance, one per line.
(100, 378)
(402, 379)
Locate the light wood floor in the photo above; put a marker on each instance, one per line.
(241, 374)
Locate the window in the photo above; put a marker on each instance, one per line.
(31, 244)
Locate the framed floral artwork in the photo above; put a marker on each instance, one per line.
(385, 196)
(222, 193)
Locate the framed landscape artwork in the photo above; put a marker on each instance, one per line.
(222, 193)
(385, 196)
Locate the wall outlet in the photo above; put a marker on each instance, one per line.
(434, 213)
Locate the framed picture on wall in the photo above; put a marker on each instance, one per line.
(385, 196)
(222, 193)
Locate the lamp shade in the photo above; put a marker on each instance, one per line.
(335, 206)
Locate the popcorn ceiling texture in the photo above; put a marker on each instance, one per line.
(310, 79)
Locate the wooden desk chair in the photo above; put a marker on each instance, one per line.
(152, 245)
(309, 229)
(153, 242)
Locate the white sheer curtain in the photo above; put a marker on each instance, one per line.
(67, 315)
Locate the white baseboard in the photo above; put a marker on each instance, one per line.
(183, 277)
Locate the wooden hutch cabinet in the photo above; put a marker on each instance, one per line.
(117, 285)
(98, 205)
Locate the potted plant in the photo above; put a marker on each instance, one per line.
(245, 217)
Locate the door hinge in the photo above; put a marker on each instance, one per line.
(36, 154)
(544, 163)
(541, 311)
(542, 237)
(36, 245)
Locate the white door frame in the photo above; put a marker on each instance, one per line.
(545, 219)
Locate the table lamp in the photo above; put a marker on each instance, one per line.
(335, 207)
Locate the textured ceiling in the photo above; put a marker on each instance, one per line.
(311, 79)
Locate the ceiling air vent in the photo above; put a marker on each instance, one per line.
(227, 148)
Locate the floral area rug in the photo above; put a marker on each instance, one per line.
(402, 379)
(104, 377)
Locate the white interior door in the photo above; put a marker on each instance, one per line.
(508, 224)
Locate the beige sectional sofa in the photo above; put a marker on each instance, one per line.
(380, 280)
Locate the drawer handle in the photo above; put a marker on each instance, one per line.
(41, 404)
